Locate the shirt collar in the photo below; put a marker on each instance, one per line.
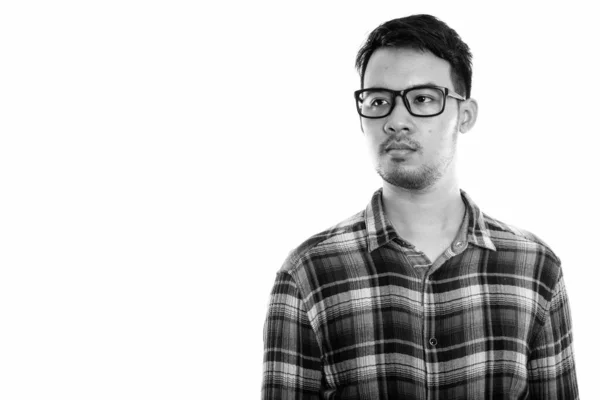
(380, 230)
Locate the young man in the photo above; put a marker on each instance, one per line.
(420, 295)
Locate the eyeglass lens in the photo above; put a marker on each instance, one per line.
(421, 101)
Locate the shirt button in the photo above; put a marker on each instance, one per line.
(433, 342)
(459, 244)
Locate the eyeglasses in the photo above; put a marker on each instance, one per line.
(420, 101)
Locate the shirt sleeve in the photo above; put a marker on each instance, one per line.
(292, 356)
(551, 365)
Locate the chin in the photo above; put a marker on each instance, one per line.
(408, 177)
(398, 165)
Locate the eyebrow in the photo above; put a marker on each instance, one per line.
(408, 87)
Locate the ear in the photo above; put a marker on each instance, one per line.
(467, 115)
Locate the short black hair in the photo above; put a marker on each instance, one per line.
(426, 33)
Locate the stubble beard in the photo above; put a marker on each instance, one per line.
(417, 179)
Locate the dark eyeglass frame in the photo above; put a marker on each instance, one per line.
(402, 93)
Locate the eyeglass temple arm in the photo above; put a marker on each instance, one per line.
(456, 96)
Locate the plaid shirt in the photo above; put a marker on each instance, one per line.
(353, 316)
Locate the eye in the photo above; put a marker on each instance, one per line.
(423, 99)
(378, 102)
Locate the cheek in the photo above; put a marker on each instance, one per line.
(433, 141)
(373, 144)
(373, 133)
(371, 126)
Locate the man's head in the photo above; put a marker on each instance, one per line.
(412, 134)
(425, 33)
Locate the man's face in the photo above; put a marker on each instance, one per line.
(432, 139)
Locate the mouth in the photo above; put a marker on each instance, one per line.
(399, 147)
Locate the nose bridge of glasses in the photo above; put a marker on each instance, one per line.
(403, 100)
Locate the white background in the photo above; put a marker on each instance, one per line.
(159, 159)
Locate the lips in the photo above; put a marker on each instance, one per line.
(399, 146)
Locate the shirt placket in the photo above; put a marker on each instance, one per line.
(430, 341)
(431, 338)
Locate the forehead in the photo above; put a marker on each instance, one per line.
(398, 68)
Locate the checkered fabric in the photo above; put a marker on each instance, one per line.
(351, 318)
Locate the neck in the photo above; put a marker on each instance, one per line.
(434, 211)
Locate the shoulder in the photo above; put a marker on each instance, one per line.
(524, 249)
(509, 236)
(325, 243)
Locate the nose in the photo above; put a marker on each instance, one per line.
(399, 119)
